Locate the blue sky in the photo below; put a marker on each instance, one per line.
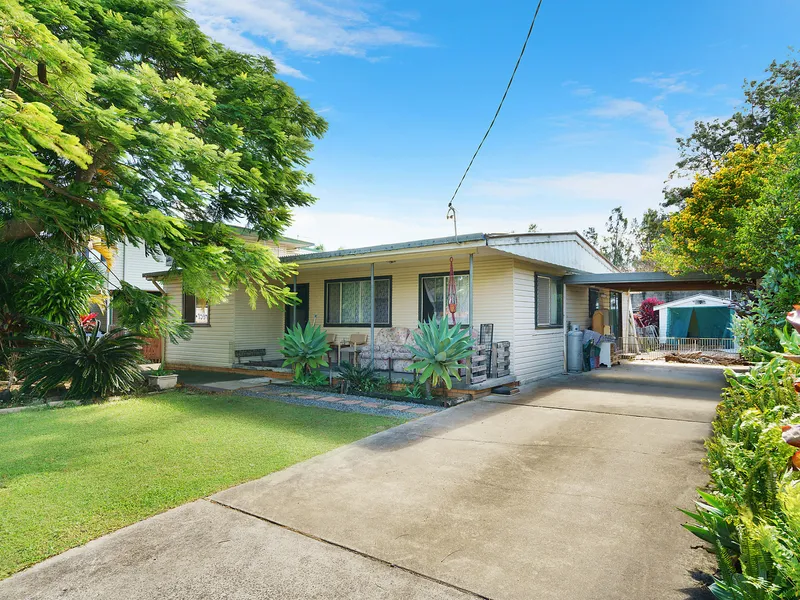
(409, 87)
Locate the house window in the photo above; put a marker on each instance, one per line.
(347, 302)
(549, 301)
(434, 300)
(196, 311)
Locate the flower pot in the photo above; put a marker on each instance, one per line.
(162, 382)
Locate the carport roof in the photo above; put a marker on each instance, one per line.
(655, 281)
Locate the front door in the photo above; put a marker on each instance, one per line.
(299, 312)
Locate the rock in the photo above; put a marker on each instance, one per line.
(791, 435)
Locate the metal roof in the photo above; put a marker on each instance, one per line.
(654, 281)
(470, 237)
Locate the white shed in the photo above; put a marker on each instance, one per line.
(698, 300)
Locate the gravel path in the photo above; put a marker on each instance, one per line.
(342, 402)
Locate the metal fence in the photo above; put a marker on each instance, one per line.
(652, 348)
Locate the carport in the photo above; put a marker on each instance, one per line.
(656, 281)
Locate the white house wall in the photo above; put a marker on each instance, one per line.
(210, 346)
(131, 262)
(536, 353)
(259, 328)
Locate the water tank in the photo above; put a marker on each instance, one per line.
(575, 350)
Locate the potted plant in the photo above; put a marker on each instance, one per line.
(162, 379)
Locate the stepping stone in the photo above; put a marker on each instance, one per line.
(397, 407)
(421, 411)
(328, 399)
(350, 402)
(310, 397)
(371, 404)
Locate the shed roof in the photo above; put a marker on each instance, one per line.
(696, 300)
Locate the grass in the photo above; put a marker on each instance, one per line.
(73, 474)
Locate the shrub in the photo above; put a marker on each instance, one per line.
(96, 365)
(647, 315)
(64, 290)
(304, 348)
(439, 347)
(313, 379)
(751, 518)
(359, 380)
(416, 390)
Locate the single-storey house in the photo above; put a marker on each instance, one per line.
(511, 281)
(698, 316)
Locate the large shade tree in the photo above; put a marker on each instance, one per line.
(121, 119)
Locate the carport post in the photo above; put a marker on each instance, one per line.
(372, 315)
(471, 257)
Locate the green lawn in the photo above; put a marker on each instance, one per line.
(70, 475)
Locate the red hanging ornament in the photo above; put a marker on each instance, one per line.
(452, 295)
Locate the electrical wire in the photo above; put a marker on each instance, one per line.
(500, 106)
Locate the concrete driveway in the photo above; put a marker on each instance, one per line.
(566, 491)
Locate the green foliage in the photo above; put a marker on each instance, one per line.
(159, 372)
(148, 131)
(437, 351)
(96, 365)
(751, 519)
(304, 348)
(149, 315)
(59, 293)
(417, 390)
(312, 379)
(358, 379)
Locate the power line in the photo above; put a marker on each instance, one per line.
(500, 106)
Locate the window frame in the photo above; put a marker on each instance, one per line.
(183, 311)
(558, 280)
(325, 283)
(421, 290)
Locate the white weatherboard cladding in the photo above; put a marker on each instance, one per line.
(210, 346)
(567, 251)
(536, 353)
(259, 328)
(131, 262)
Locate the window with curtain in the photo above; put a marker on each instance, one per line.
(196, 311)
(347, 302)
(549, 301)
(434, 292)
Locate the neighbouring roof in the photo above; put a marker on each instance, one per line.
(696, 300)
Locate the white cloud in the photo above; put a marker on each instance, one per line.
(310, 27)
(651, 116)
(228, 33)
(669, 84)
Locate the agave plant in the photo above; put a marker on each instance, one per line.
(96, 365)
(439, 347)
(304, 348)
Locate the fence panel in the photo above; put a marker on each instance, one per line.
(652, 348)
